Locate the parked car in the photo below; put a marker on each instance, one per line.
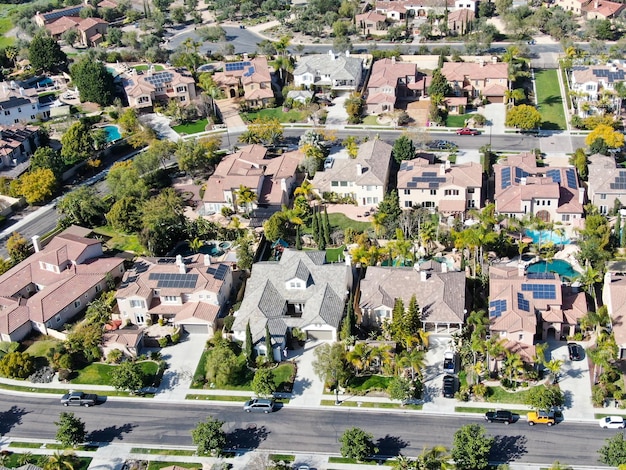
(328, 163)
(612, 422)
(467, 131)
(264, 405)
(449, 386)
(499, 416)
(575, 351)
(449, 362)
(442, 145)
(541, 417)
(79, 399)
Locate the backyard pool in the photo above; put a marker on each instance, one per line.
(562, 268)
(113, 133)
(545, 236)
(45, 82)
(210, 248)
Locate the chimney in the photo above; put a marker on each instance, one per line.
(521, 270)
(522, 181)
(347, 53)
(207, 260)
(596, 4)
(442, 169)
(283, 185)
(245, 56)
(331, 54)
(359, 169)
(21, 91)
(447, 164)
(347, 258)
(444, 267)
(182, 269)
(179, 260)
(36, 243)
(423, 276)
(393, 59)
(581, 195)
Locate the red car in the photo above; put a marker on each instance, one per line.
(467, 131)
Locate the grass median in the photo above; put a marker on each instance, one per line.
(365, 404)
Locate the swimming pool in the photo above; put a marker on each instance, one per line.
(562, 268)
(546, 236)
(113, 133)
(45, 82)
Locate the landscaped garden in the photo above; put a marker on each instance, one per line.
(549, 99)
(293, 115)
(189, 128)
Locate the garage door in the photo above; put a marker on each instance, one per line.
(197, 329)
(323, 335)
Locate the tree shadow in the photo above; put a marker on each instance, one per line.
(10, 418)
(390, 445)
(508, 448)
(248, 438)
(551, 100)
(110, 433)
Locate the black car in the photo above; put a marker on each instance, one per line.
(499, 416)
(441, 145)
(449, 386)
(575, 352)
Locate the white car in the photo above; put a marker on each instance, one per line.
(612, 422)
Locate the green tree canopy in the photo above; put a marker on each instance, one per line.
(37, 186)
(209, 437)
(523, 117)
(77, 143)
(613, 453)
(45, 54)
(17, 247)
(471, 447)
(357, 444)
(545, 397)
(17, 365)
(330, 363)
(128, 376)
(266, 131)
(83, 206)
(125, 215)
(70, 430)
(123, 181)
(93, 81)
(403, 149)
(439, 84)
(221, 365)
(46, 157)
(163, 222)
(263, 382)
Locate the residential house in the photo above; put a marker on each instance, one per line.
(522, 304)
(392, 81)
(335, 71)
(54, 284)
(549, 193)
(465, 5)
(448, 189)
(143, 91)
(252, 76)
(606, 183)
(91, 31)
(440, 295)
(460, 21)
(301, 96)
(590, 83)
(18, 105)
(478, 79)
(362, 179)
(614, 297)
(129, 340)
(603, 10)
(271, 179)
(189, 292)
(301, 290)
(17, 144)
(398, 10)
(371, 23)
(42, 19)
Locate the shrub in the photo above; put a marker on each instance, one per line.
(155, 355)
(227, 211)
(163, 342)
(114, 115)
(597, 396)
(176, 337)
(115, 356)
(479, 391)
(228, 323)
(463, 394)
(161, 321)
(64, 375)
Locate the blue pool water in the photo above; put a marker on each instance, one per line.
(113, 133)
(45, 82)
(562, 268)
(547, 236)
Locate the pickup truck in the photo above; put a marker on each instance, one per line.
(79, 399)
(449, 362)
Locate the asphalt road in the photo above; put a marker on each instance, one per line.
(300, 430)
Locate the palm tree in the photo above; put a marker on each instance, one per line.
(305, 189)
(513, 365)
(244, 197)
(415, 360)
(540, 353)
(11, 53)
(435, 458)
(60, 461)
(588, 279)
(383, 357)
(554, 366)
(405, 463)
(360, 357)
(401, 248)
(196, 244)
(495, 348)
(514, 95)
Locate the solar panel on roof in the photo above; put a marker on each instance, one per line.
(222, 270)
(234, 66)
(555, 175)
(541, 291)
(411, 184)
(429, 173)
(249, 72)
(506, 177)
(522, 303)
(519, 174)
(540, 275)
(496, 307)
(166, 260)
(571, 178)
(180, 281)
(404, 165)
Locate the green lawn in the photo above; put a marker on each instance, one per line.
(368, 382)
(14, 461)
(144, 450)
(372, 404)
(292, 115)
(457, 120)
(145, 67)
(372, 121)
(500, 395)
(42, 346)
(120, 241)
(341, 222)
(332, 254)
(100, 374)
(6, 24)
(156, 465)
(37, 445)
(549, 99)
(191, 127)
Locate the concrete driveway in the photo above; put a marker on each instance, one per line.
(337, 115)
(433, 376)
(308, 389)
(161, 126)
(496, 115)
(574, 380)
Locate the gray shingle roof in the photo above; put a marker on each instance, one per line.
(339, 68)
(267, 294)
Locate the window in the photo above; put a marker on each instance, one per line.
(170, 298)
(521, 336)
(471, 204)
(408, 203)
(602, 196)
(565, 217)
(451, 192)
(470, 190)
(7, 112)
(334, 183)
(58, 318)
(136, 304)
(181, 89)
(429, 204)
(343, 183)
(157, 292)
(183, 98)
(98, 288)
(603, 210)
(32, 116)
(77, 304)
(369, 188)
(19, 110)
(433, 192)
(407, 191)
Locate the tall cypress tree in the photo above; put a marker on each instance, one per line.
(315, 228)
(623, 236)
(347, 328)
(298, 240)
(326, 225)
(269, 351)
(249, 349)
(618, 227)
(320, 232)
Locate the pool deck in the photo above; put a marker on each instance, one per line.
(568, 253)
